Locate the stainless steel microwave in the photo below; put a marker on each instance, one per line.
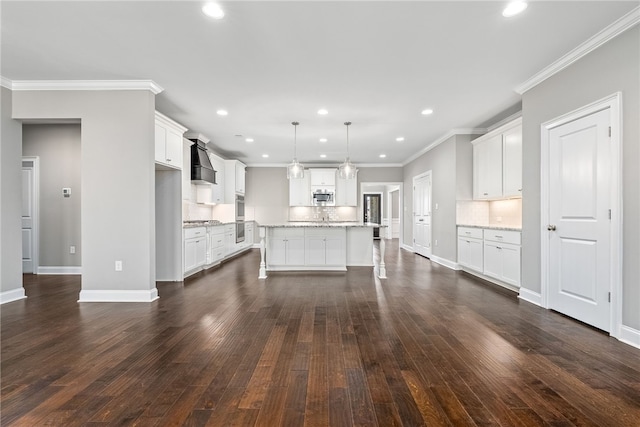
(323, 198)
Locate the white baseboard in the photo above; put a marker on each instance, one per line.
(255, 246)
(59, 270)
(118, 296)
(530, 296)
(630, 336)
(407, 247)
(443, 261)
(12, 295)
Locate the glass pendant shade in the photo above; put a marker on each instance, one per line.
(347, 170)
(295, 170)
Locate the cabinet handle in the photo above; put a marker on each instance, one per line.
(467, 232)
(519, 189)
(498, 247)
(499, 237)
(485, 194)
(168, 160)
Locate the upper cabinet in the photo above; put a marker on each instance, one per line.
(218, 190)
(168, 142)
(497, 163)
(346, 191)
(234, 177)
(300, 191)
(322, 177)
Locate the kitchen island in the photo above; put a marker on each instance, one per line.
(324, 246)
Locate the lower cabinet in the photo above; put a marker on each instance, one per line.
(307, 248)
(216, 244)
(286, 247)
(229, 239)
(195, 248)
(491, 253)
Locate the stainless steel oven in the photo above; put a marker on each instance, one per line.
(239, 231)
(239, 207)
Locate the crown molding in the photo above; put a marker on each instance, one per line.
(198, 136)
(613, 30)
(504, 121)
(443, 138)
(82, 85)
(324, 165)
(5, 82)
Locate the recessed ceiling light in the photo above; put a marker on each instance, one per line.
(427, 112)
(400, 138)
(265, 155)
(249, 139)
(323, 112)
(213, 10)
(323, 156)
(323, 139)
(382, 156)
(222, 112)
(514, 8)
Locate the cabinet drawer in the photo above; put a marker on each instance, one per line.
(287, 232)
(502, 236)
(190, 233)
(475, 233)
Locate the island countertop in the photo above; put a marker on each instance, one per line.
(295, 224)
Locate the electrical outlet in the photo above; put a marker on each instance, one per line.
(118, 265)
(72, 249)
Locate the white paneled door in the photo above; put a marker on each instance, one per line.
(580, 219)
(422, 214)
(29, 218)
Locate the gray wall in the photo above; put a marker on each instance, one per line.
(118, 185)
(448, 182)
(11, 197)
(395, 207)
(58, 147)
(613, 67)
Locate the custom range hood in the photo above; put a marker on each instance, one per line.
(202, 171)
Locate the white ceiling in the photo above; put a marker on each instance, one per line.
(377, 64)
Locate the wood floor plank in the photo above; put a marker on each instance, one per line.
(427, 346)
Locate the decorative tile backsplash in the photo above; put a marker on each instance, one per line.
(496, 213)
(323, 213)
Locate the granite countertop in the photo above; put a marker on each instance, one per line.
(322, 224)
(493, 227)
(209, 223)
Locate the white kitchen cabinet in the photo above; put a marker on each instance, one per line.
(234, 178)
(497, 163)
(286, 247)
(300, 191)
(470, 250)
(195, 248)
(325, 247)
(512, 162)
(168, 142)
(487, 168)
(502, 255)
(216, 244)
(218, 190)
(229, 239)
(346, 191)
(248, 233)
(322, 177)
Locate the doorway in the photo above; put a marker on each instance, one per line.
(581, 215)
(422, 214)
(372, 211)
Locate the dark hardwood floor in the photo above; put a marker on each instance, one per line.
(428, 346)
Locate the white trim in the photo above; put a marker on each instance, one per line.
(506, 121)
(12, 295)
(629, 336)
(443, 138)
(608, 33)
(530, 296)
(167, 121)
(407, 248)
(443, 261)
(198, 136)
(324, 165)
(5, 82)
(59, 270)
(35, 228)
(413, 206)
(118, 296)
(614, 104)
(83, 85)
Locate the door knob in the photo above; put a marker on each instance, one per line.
(551, 228)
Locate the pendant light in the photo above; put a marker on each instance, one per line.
(295, 170)
(347, 170)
